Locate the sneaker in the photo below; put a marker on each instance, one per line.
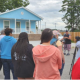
(67, 54)
(64, 53)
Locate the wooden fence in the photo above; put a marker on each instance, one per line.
(73, 35)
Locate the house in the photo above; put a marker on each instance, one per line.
(20, 20)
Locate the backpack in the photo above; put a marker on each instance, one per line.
(54, 43)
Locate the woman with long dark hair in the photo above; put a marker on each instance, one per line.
(47, 58)
(22, 58)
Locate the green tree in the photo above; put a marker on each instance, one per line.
(12, 4)
(72, 13)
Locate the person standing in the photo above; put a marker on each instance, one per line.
(22, 58)
(59, 46)
(67, 43)
(6, 45)
(1, 36)
(78, 50)
(47, 58)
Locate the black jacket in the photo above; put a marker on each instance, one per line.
(26, 67)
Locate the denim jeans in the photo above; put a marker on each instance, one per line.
(61, 70)
(7, 66)
(0, 64)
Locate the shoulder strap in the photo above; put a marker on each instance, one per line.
(54, 43)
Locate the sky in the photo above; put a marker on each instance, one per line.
(49, 11)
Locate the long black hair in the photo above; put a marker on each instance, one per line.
(21, 46)
(46, 35)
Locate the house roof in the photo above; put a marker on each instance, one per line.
(25, 9)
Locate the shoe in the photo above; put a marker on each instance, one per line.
(64, 53)
(67, 54)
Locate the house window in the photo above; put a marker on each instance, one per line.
(6, 24)
(27, 26)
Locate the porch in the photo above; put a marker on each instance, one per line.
(21, 25)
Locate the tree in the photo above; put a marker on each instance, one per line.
(12, 4)
(72, 13)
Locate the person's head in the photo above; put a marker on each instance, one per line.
(56, 33)
(23, 37)
(2, 32)
(46, 35)
(66, 31)
(8, 32)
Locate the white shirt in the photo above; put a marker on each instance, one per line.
(1, 36)
(78, 52)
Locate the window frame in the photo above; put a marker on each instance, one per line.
(16, 26)
(29, 26)
(4, 24)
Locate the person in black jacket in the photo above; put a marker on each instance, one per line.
(22, 58)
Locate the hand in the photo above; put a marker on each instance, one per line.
(63, 60)
(65, 37)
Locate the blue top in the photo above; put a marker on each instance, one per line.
(53, 40)
(6, 45)
(78, 52)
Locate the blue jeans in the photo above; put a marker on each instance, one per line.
(7, 66)
(61, 70)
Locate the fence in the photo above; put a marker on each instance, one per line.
(73, 35)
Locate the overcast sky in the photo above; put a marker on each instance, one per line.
(49, 10)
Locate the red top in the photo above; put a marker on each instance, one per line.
(76, 70)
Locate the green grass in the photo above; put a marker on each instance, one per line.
(72, 41)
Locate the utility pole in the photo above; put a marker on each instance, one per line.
(45, 25)
(55, 25)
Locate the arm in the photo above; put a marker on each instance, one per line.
(35, 67)
(62, 39)
(12, 53)
(78, 44)
(60, 48)
(68, 37)
(34, 63)
(59, 60)
(59, 44)
(31, 54)
(14, 41)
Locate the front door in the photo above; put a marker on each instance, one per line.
(18, 29)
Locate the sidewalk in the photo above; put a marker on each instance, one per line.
(68, 61)
(73, 45)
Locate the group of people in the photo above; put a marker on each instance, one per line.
(44, 61)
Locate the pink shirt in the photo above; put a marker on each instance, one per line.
(47, 61)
